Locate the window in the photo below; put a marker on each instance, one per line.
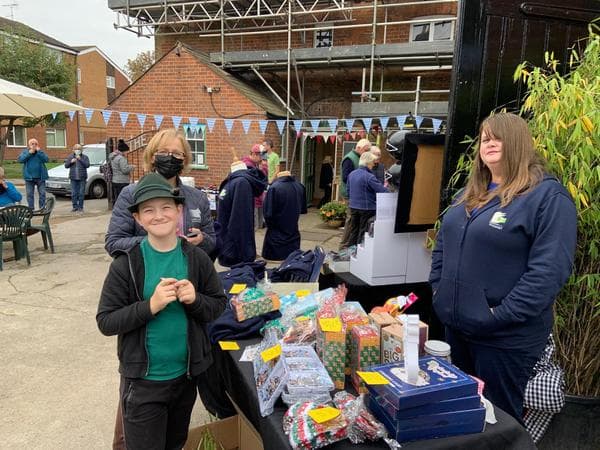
(323, 38)
(195, 137)
(55, 138)
(432, 31)
(16, 137)
(110, 82)
(79, 75)
(57, 54)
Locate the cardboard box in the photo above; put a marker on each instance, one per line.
(331, 348)
(381, 320)
(351, 315)
(364, 352)
(245, 307)
(392, 343)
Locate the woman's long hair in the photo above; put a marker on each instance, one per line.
(521, 166)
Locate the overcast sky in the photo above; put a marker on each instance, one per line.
(79, 22)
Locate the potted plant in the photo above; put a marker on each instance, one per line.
(333, 214)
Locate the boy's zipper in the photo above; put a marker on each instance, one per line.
(137, 294)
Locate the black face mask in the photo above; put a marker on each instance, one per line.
(168, 166)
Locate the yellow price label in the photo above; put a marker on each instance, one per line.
(301, 319)
(237, 288)
(333, 325)
(302, 293)
(229, 345)
(271, 353)
(373, 377)
(325, 414)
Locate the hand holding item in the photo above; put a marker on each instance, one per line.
(73, 160)
(194, 236)
(164, 293)
(185, 291)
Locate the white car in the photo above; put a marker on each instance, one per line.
(58, 182)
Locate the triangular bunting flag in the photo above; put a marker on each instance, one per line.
(193, 121)
(315, 124)
(332, 138)
(383, 121)
(71, 115)
(332, 124)
(297, 125)
(210, 123)
(186, 127)
(367, 123)
(176, 121)
(437, 123)
(198, 129)
(401, 121)
(262, 124)
(349, 124)
(54, 116)
(319, 138)
(246, 125)
(124, 116)
(158, 118)
(106, 113)
(419, 120)
(228, 125)
(280, 125)
(141, 119)
(88, 115)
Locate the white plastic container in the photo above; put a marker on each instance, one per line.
(440, 349)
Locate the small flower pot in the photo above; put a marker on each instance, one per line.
(334, 223)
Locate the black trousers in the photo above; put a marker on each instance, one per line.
(505, 372)
(212, 384)
(327, 197)
(116, 190)
(359, 224)
(156, 414)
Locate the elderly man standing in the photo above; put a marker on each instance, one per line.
(350, 163)
(378, 168)
(35, 173)
(77, 163)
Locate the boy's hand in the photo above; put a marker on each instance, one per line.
(164, 293)
(185, 291)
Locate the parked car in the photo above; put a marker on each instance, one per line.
(58, 181)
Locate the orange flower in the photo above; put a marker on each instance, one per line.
(328, 213)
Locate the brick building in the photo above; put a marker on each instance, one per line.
(319, 60)
(98, 80)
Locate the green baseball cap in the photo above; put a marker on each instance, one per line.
(154, 185)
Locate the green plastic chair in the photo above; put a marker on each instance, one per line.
(44, 226)
(14, 221)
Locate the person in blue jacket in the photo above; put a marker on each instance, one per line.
(285, 201)
(77, 163)
(35, 173)
(503, 252)
(363, 187)
(235, 213)
(8, 192)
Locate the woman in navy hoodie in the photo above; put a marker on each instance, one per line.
(504, 250)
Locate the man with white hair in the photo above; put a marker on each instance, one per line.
(378, 168)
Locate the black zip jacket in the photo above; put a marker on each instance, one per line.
(123, 311)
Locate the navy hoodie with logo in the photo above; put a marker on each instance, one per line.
(495, 275)
(236, 215)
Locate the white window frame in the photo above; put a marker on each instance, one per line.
(315, 38)
(432, 21)
(110, 82)
(55, 132)
(10, 136)
(195, 137)
(79, 75)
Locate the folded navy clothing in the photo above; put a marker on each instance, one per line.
(258, 267)
(226, 327)
(240, 275)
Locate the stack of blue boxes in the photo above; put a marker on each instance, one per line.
(444, 402)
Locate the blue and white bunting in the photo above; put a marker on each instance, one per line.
(314, 123)
(158, 118)
(211, 124)
(349, 124)
(401, 121)
(262, 124)
(367, 123)
(193, 121)
(141, 119)
(199, 130)
(297, 125)
(88, 115)
(332, 124)
(228, 125)
(71, 115)
(176, 121)
(280, 125)
(383, 121)
(246, 125)
(106, 113)
(54, 116)
(419, 121)
(437, 123)
(186, 128)
(124, 116)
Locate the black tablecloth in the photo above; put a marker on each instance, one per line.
(506, 434)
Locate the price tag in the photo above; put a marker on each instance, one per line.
(237, 288)
(301, 319)
(373, 377)
(271, 353)
(229, 345)
(302, 293)
(321, 415)
(334, 325)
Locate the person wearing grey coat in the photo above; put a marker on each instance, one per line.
(120, 172)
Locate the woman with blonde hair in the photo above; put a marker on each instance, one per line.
(504, 250)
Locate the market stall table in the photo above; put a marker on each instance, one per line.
(506, 434)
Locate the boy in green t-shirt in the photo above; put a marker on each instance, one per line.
(272, 159)
(157, 298)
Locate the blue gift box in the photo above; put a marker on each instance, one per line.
(438, 380)
(431, 426)
(454, 404)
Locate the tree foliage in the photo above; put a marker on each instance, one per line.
(137, 66)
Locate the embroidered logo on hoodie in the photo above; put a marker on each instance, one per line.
(498, 220)
(222, 194)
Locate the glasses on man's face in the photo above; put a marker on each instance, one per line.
(178, 155)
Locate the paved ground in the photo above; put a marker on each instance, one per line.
(59, 374)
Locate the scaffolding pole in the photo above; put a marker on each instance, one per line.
(373, 37)
(288, 165)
